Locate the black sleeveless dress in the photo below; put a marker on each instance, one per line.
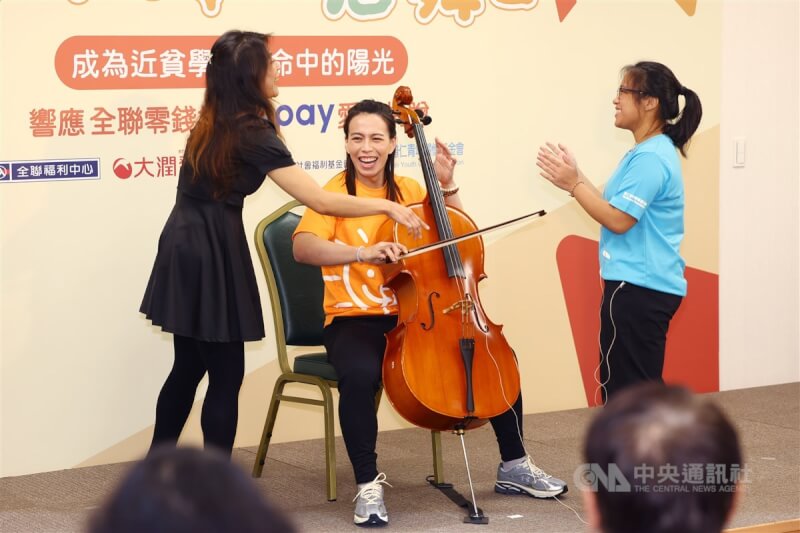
(203, 284)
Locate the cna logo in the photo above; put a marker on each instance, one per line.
(5, 173)
(122, 168)
(591, 476)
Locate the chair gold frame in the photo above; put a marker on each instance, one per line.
(311, 369)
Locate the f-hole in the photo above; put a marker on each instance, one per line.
(425, 327)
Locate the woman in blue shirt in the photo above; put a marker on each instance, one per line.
(641, 213)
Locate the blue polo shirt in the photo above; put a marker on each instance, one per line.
(648, 185)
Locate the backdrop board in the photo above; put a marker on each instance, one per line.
(95, 113)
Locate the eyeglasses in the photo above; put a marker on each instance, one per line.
(627, 90)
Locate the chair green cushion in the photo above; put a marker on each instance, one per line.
(315, 364)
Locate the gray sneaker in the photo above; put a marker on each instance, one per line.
(370, 510)
(527, 478)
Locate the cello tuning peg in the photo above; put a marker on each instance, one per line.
(425, 119)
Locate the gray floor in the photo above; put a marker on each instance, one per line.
(768, 419)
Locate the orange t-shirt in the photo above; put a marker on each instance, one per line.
(356, 289)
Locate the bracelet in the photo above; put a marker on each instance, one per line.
(358, 254)
(572, 190)
(449, 192)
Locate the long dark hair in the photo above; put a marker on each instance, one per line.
(372, 107)
(234, 87)
(655, 79)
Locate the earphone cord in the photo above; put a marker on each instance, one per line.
(521, 440)
(605, 357)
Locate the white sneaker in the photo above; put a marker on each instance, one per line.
(527, 478)
(370, 510)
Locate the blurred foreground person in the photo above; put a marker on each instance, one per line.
(661, 460)
(187, 490)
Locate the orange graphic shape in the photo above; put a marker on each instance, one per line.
(79, 53)
(692, 353)
(515, 4)
(210, 8)
(426, 8)
(466, 9)
(564, 7)
(689, 6)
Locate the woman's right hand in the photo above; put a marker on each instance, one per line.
(382, 253)
(405, 216)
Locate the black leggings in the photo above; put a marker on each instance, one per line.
(224, 362)
(633, 334)
(355, 348)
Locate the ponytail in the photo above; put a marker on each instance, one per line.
(682, 129)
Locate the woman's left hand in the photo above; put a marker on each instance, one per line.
(444, 164)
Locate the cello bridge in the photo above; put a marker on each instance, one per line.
(463, 305)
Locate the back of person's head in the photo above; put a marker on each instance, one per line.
(670, 461)
(186, 490)
(235, 87)
(235, 74)
(657, 80)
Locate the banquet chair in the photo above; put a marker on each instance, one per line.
(296, 294)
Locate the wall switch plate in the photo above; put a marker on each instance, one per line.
(738, 152)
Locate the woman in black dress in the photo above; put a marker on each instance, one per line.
(203, 288)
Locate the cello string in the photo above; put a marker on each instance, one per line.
(440, 208)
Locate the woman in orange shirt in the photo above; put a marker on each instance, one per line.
(360, 310)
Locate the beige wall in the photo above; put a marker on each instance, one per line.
(81, 369)
(759, 215)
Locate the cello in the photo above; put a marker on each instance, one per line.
(447, 366)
